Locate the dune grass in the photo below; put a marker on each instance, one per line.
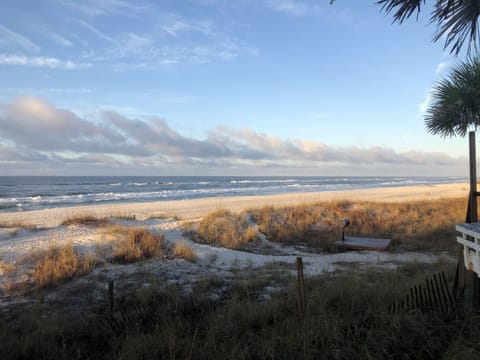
(139, 244)
(346, 318)
(222, 228)
(420, 225)
(184, 251)
(60, 263)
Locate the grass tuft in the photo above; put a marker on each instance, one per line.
(184, 251)
(58, 264)
(140, 244)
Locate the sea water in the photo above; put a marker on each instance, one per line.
(26, 193)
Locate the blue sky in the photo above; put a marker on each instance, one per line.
(218, 87)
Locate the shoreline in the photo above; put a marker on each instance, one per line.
(196, 208)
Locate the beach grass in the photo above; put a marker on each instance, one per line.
(346, 317)
(60, 263)
(421, 225)
(222, 228)
(139, 244)
(184, 251)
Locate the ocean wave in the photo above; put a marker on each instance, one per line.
(261, 181)
(31, 196)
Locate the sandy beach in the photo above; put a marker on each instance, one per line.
(192, 209)
(25, 233)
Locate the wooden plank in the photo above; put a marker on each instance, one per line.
(360, 243)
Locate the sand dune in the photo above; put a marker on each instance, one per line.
(190, 209)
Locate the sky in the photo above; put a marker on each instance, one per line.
(219, 87)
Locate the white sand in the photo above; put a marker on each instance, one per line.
(191, 209)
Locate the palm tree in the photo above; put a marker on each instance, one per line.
(457, 20)
(455, 105)
(454, 110)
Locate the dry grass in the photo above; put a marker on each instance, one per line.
(346, 317)
(7, 268)
(139, 244)
(420, 225)
(87, 220)
(58, 264)
(250, 234)
(184, 251)
(222, 228)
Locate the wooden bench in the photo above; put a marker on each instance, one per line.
(360, 243)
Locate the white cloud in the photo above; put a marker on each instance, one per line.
(294, 7)
(141, 52)
(9, 38)
(58, 39)
(59, 131)
(41, 61)
(95, 8)
(440, 69)
(94, 30)
(423, 106)
(174, 26)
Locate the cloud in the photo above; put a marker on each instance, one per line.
(143, 52)
(440, 69)
(294, 7)
(34, 124)
(41, 61)
(94, 8)
(38, 130)
(94, 30)
(9, 38)
(58, 39)
(423, 106)
(174, 26)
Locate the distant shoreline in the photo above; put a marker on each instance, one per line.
(197, 208)
(38, 193)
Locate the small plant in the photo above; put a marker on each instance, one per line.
(222, 228)
(87, 220)
(7, 268)
(140, 244)
(250, 234)
(58, 264)
(184, 251)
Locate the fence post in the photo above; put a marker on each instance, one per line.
(110, 300)
(301, 286)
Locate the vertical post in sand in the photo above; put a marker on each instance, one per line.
(472, 216)
(301, 286)
(473, 179)
(473, 209)
(110, 301)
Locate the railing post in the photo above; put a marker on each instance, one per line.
(301, 286)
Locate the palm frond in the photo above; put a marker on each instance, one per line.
(455, 105)
(457, 20)
(402, 9)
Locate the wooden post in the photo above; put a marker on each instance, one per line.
(472, 216)
(301, 286)
(110, 300)
(473, 178)
(473, 209)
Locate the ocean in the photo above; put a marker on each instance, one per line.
(25, 193)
